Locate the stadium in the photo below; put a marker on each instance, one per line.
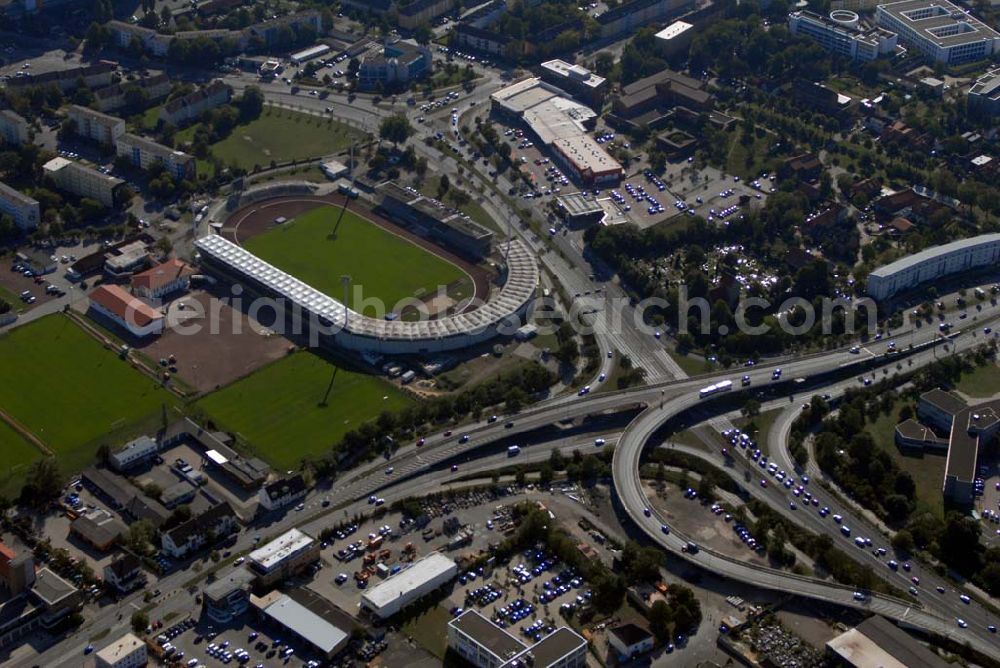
(501, 313)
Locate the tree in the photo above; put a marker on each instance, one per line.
(139, 537)
(43, 483)
(140, 621)
(751, 409)
(660, 619)
(902, 541)
(395, 128)
(423, 33)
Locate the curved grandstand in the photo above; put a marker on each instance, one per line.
(500, 315)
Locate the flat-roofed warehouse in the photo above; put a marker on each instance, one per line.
(578, 209)
(502, 313)
(878, 643)
(400, 590)
(308, 617)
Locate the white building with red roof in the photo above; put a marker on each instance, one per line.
(162, 279)
(126, 310)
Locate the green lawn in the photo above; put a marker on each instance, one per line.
(927, 471)
(982, 382)
(282, 135)
(299, 406)
(472, 208)
(430, 629)
(691, 364)
(383, 265)
(72, 393)
(17, 455)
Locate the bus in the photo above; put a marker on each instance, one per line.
(721, 386)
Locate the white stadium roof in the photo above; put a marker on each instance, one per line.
(519, 289)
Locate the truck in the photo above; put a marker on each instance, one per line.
(513, 451)
(375, 543)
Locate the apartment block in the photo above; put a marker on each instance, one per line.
(84, 181)
(182, 110)
(143, 153)
(96, 126)
(23, 209)
(14, 129)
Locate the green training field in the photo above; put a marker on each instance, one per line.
(72, 393)
(18, 454)
(383, 265)
(281, 136)
(290, 409)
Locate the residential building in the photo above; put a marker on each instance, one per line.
(675, 38)
(152, 42)
(630, 16)
(630, 641)
(413, 14)
(24, 210)
(182, 110)
(878, 642)
(170, 276)
(215, 523)
(560, 125)
(399, 64)
(228, 596)
(308, 618)
(452, 228)
(98, 528)
(283, 492)
(802, 167)
(840, 33)
(96, 126)
(126, 311)
(468, 37)
(269, 32)
(931, 263)
(124, 573)
(283, 557)
(409, 585)
(143, 153)
(134, 453)
(577, 80)
(485, 645)
(84, 181)
(96, 75)
(984, 96)
(149, 89)
(941, 30)
(369, 6)
(14, 130)
(58, 596)
(17, 570)
(126, 652)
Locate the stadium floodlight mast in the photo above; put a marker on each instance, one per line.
(345, 280)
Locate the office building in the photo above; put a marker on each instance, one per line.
(14, 130)
(840, 33)
(400, 590)
(560, 125)
(878, 643)
(83, 181)
(283, 492)
(397, 65)
(134, 453)
(942, 31)
(144, 153)
(96, 126)
(577, 80)
(228, 596)
(984, 96)
(126, 311)
(126, 652)
(485, 645)
(283, 557)
(187, 108)
(124, 574)
(24, 210)
(932, 263)
(443, 224)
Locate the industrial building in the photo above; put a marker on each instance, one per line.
(173, 275)
(577, 80)
(126, 652)
(878, 643)
(502, 314)
(14, 129)
(84, 181)
(311, 53)
(562, 126)
(933, 263)
(96, 126)
(131, 313)
(431, 218)
(143, 153)
(228, 596)
(485, 645)
(409, 585)
(940, 30)
(399, 63)
(283, 557)
(842, 34)
(25, 211)
(984, 96)
(98, 528)
(133, 453)
(307, 617)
